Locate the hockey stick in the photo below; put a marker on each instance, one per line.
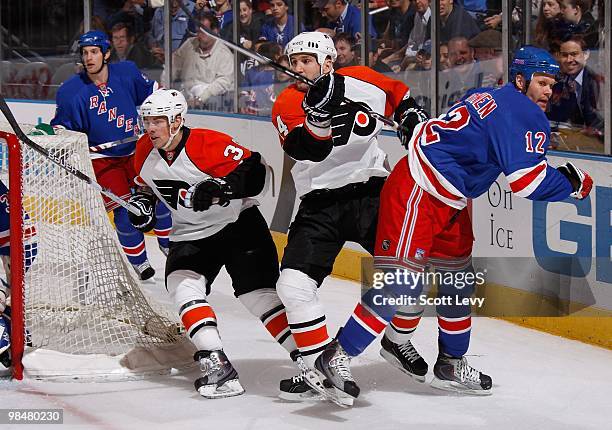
(113, 144)
(265, 60)
(4, 108)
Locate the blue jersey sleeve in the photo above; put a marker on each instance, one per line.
(67, 113)
(520, 141)
(142, 86)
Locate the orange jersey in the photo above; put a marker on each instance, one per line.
(356, 155)
(201, 154)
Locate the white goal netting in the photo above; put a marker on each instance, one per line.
(85, 313)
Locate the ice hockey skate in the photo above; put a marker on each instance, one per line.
(332, 366)
(219, 378)
(295, 389)
(404, 357)
(144, 270)
(456, 375)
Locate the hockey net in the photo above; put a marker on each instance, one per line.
(78, 310)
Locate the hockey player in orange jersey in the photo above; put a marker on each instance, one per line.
(206, 179)
(338, 174)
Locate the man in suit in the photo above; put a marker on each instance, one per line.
(576, 96)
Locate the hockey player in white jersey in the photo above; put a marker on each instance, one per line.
(206, 179)
(338, 174)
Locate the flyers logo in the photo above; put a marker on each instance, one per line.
(348, 120)
(172, 191)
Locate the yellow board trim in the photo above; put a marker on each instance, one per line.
(590, 325)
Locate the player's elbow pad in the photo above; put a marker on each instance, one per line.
(301, 145)
(249, 178)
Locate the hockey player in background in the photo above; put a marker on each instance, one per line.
(338, 180)
(206, 179)
(423, 219)
(30, 249)
(101, 102)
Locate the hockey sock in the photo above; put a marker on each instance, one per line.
(373, 314)
(404, 323)
(265, 304)
(305, 313)
(131, 239)
(163, 225)
(454, 318)
(188, 292)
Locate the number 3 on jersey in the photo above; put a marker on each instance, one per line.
(233, 151)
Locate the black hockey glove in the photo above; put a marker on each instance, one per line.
(324, 97)
(203, 195)
(408, 115)
(146, 204)
(581, 181)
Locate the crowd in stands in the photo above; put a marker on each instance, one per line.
(399, 41)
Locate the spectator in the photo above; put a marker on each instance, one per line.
(487, 48)
(550, 13)
(250, 24)
(577, 13)
(180, 22)
(421, 30)
(259, 81)
(280, 28)
(455, 22)
(225, 15)
(134, 12)
(125, 47)
(343, 17)
(444, 62)
(204, 66)
(460, 55)
(401, 21)
(378, 54)
(344, 43)
(576, 97)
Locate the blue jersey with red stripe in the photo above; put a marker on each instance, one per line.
(489, 132)
(105, 113)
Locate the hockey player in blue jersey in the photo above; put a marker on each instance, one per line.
(423, 222)
(101, 102)
(30, 248)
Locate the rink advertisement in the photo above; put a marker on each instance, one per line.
(559, 250)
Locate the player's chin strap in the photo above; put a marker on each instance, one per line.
(173, 135)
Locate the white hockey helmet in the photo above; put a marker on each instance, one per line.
(165, 102)
(312, 42)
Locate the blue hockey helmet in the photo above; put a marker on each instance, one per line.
(95, 38)
(529, 60)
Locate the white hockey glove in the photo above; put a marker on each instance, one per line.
(581, 181)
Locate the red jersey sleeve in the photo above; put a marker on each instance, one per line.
(394, 89)
(287, 112)
(215, 153)
(144, 146)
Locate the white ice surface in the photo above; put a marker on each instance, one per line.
(540, 382)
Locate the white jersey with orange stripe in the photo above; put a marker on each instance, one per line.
(491, 131)
(356, 155)
(201, 154)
